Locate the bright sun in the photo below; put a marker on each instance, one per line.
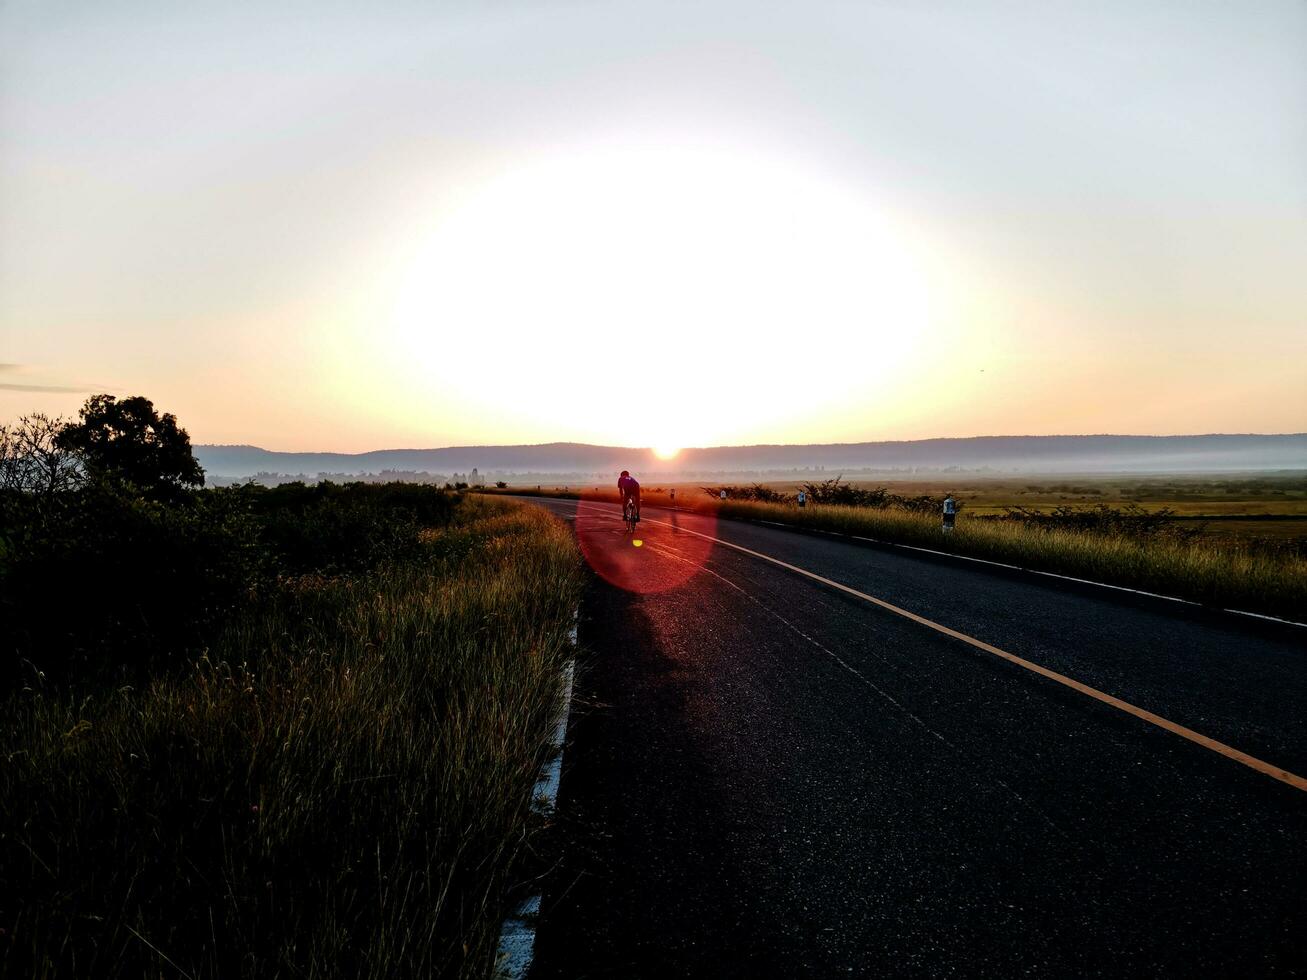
(711, 292)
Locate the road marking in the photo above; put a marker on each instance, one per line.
(955, 749)
(1021, 568)
(517, 934)
(1058, 575)
(1220, 748)
(988, 561)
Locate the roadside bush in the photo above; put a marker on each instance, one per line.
(758, 492)
(100, 578)
(341, 527)
(837, 493)
(923, 504)
(1131, 521)
(842, 494)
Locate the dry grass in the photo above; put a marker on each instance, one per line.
(340, 788)
(1226, 575)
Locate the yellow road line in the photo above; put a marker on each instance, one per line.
(1252, 762)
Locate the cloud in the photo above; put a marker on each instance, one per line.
(20, 369)
(72, 389)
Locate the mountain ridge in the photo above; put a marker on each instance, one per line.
(1043, 454)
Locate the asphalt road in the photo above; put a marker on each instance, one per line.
(769, 777)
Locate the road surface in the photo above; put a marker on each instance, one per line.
(768, 775)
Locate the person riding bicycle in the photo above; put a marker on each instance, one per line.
(629, 487)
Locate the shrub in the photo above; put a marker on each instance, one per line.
(338, 527)
(99, 577)
(846, 495)
(758, 492)
(840, 494)
(102, 578)
(1132, 521)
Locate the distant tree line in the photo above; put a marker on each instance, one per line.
(269, 478)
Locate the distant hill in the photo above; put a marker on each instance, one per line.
(1023, 454)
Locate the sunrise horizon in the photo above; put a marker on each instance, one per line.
(714, 227)
(676, 451)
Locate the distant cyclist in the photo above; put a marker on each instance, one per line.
(629, 487)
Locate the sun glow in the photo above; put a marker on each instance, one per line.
(645, 293)
(665, 452)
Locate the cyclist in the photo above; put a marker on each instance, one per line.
(629, 487)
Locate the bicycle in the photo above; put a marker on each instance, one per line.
(630, 516)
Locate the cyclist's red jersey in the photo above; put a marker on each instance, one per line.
(628, 486)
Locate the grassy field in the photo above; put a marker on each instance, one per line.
(339, 787)
(1249, 569)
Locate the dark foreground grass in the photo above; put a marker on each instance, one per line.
(340, 788)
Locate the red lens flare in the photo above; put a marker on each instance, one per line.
(657, 557)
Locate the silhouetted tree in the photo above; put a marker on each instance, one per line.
(128, 440)
(32, 460)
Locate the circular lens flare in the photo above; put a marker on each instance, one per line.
(662, 558)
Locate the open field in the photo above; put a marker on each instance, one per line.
(339, 785)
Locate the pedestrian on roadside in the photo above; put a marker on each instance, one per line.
(803, 499)
(723, 494)
(950, 513)
(673, 493)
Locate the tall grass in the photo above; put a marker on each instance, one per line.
(340, 787)
(1220, 574)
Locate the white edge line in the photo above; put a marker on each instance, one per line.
(1017, 568)
(517, 936)
(1220, 748)
(1033, 571)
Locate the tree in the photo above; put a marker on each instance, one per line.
(32, 459)
(129, 441)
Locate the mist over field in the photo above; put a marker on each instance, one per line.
(1107, 454)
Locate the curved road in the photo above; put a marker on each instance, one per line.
(768, 775)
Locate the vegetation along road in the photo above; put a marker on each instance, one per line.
(796, 755)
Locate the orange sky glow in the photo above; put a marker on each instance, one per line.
(637, 226)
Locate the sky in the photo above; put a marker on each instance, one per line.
(352, 227)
